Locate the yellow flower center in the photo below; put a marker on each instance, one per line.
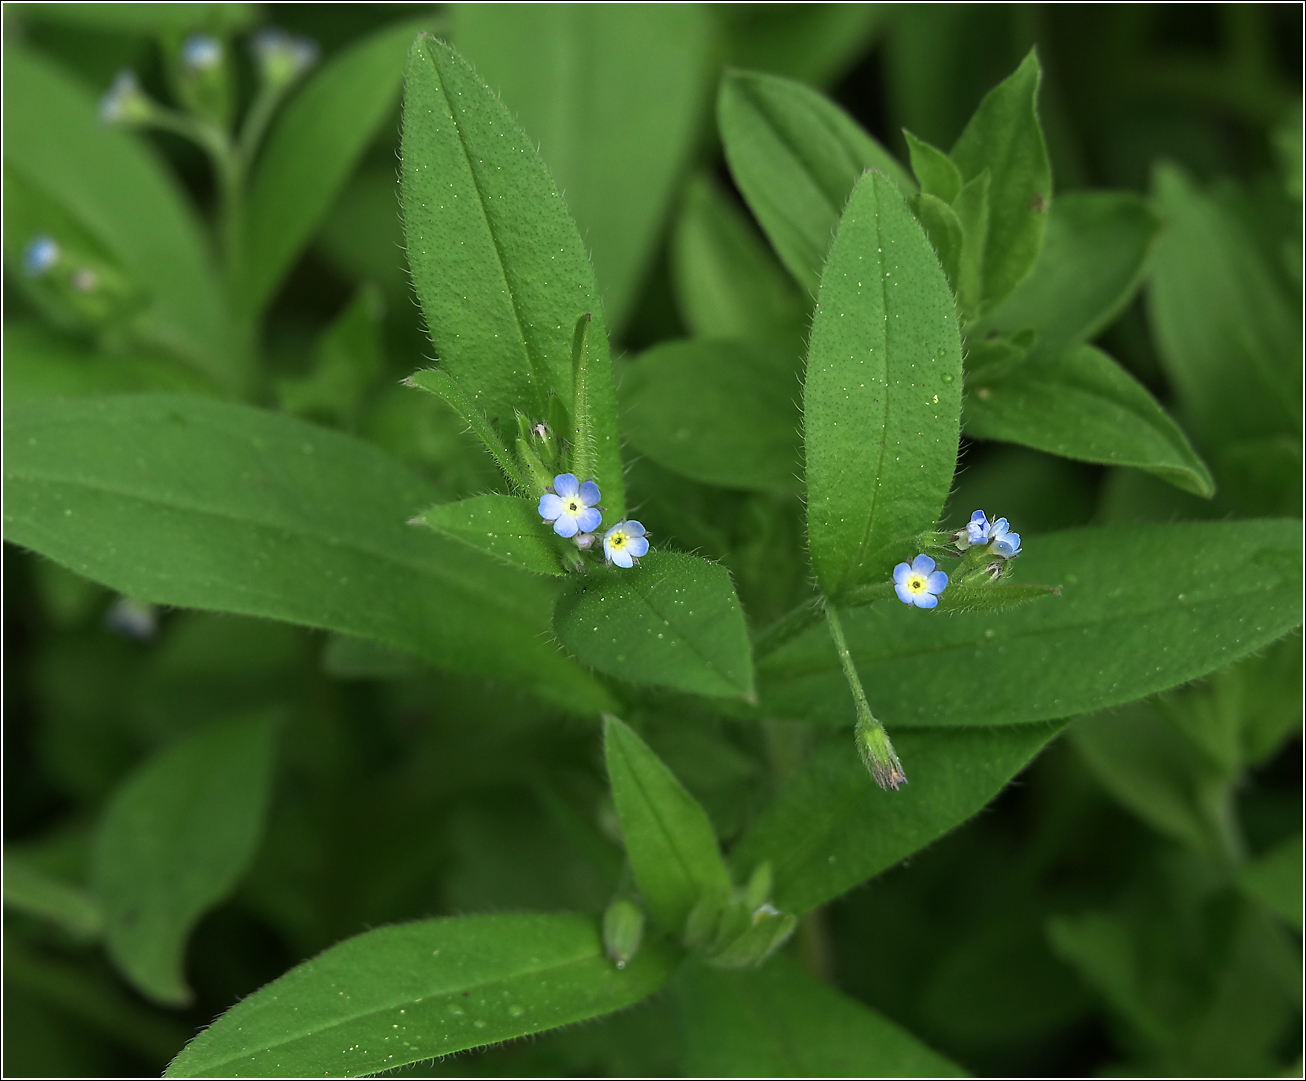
(573, 507)
(617, 540)
(916, 583)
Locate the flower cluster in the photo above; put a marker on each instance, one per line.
(987, 545)
(125, 102)
(573, 509)
(997, 535)
(282, 57)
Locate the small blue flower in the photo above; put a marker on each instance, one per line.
(624, 543)
(281, 56)
(572, 507)
(199, 52)
(1004, 542)
(918, 583)
(977, 529)
(41, 253)
(125, 102)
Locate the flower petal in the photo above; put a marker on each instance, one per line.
(637, 547)
(926, 600)
(634, 529)
(566, 526)
(550, 506)
(900, 572)
(589, 494)
(566, 485)
(937, 582)
(589, 518)
(622, 558)
(1000, 529)
(904, 594)
(922, 564)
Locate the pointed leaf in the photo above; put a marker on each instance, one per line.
(720, 412)
(422, 990)
(613, 95)
(1188, 599)
(29, 889)
(184, 501)
(1275, 879)
(882, 396)
(1094, 255)
(497, 263)
(508, 528)
(832, 827)
(1084, 405)
(311, 150)
(935, 171)
(796, 157)
(1005, 138)
(673, 621)
(175, 839)
(669, 838)
(942, 226)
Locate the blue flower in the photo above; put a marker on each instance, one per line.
(624, 543)
(1004, 542)
(919, 583)
(281, 56)
(40, 255)
(572, 507)
(125, 102)
(977, 529)
(199, 52)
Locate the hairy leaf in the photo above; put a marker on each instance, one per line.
(508, 528)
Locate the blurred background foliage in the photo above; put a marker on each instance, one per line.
(1127, 906)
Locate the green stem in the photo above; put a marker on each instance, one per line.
(872, 740)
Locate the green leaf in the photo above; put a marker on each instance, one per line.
(120, 193)
(796, 157)
(669, 839)
(1228, 337)
(1275, 879)
(935, 171)
(40, 364)
(147, 18)
(782, 1022)
(348, 358)
(613, 96)
(1141, 609)
(422, 990)
(882, 397)
(813, 43)
(832, 827)
(1005, 138)
(944, 230)
(994, 598)
(29, 889)
(973, 216)
(499, 268)
(720, 412)
(203, 504)
(728, 283)
(508, 528)
(673, 621)
(311, 150)
(1094, 255)
(175, 839)
(1084, 405)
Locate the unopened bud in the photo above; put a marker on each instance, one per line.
(878, 755)
(84, 280)
(758, 890)
(282, 57)
(132, 619)
(623, 929)
(41, 253)
(125, 102)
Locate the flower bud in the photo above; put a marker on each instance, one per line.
(282, 57)
(878, 755)
(623, 929)
(125, 102)
(200, 52)
(758, 890)
(42, 253)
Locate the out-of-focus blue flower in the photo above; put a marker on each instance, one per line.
(624, 543)
(125, 102)
(200, 52)
(41, 253)
(282, 57)
(572, 507)
(918, 583)
(977, 529)
(1003, 541)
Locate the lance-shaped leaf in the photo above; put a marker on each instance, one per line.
(1275, 879)
(1095, 252)
(1005, 138)
(1188, 599)
(781, 1021)
(417, 991)
(29, 889)
(497, 263)
(728, 282)
(508, 528)
(796, 156)
(673, 621)
(613, 96)
(203, 504)
(669, 838)
(118, 191)
(175, 839)
(313, 147)
(1084, 405)
(882, 395)
(832, 827)
(721, 412)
